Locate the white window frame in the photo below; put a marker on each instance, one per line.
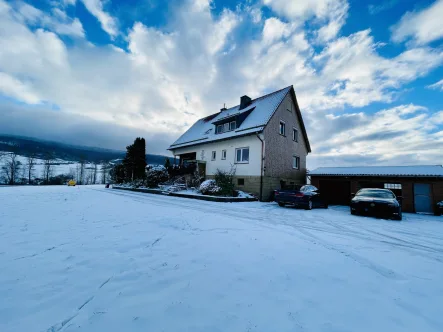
(235, 125)
(295, 162)
(219, 129)
(241, 156)
(223, 155)
(226, 127)
(294, 134)
(393, 186)
(280, 126)
(213, 155)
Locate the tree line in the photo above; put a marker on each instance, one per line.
(16, 170)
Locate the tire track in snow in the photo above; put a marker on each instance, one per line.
(59, 326)
(385, 272)
(239, 213)
(40, 253)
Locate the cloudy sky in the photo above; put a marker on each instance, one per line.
(368, 74)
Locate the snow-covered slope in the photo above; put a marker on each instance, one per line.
(91, 259)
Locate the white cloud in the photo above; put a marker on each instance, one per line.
(436, 86)
(168, 77)
(385, 5)
(59, 22)
(422, 26)
(331, 14)
(381, 137)
(274, 30)
(107, 22)
(13, 87)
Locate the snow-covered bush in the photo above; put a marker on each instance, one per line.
(440, 204)
(156, 174)
(209, 187)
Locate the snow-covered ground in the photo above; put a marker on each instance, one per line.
(95, 259)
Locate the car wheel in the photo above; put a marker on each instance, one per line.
(281, 204)
(399, 216)
(309, 206)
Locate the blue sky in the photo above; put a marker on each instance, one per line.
(368, 74)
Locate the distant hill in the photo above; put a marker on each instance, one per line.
(25, 146)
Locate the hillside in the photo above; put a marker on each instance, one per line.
(25, 146)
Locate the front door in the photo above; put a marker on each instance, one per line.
(422, 198)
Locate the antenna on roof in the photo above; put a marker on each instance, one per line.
(224, 107)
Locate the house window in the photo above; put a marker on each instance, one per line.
(282, 129)
(219, 129)
(223, 154)
(232, 125)
(392, 186)
(213, 155)
(226, 127)
(294, 135)
(242, 155)
(240, 182)
(295, 162)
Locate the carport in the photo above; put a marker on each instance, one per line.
(420, 187)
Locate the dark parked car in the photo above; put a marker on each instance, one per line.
(439, 209)
(377, 202)
(306, 196)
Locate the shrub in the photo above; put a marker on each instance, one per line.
(225, 180)
(209, 187)
(155, 175)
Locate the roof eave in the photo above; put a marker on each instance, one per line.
(186, 145)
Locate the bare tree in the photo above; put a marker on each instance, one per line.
(11, 167)
(106, 167)
(94, 176)
(47, 167)
(81, 178)
(30, 165)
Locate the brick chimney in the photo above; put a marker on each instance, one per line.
(244, 102)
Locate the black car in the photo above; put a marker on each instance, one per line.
(306, 196)
(377, 202)
(439, 209)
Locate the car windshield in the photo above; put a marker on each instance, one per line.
(308, 188)
(375, 193)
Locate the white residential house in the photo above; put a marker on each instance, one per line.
(264, 139)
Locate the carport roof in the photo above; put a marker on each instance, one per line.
(397, 171)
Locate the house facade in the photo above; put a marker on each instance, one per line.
(263, 139)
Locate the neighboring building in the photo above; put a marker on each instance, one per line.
(264, 139)
(420, 187)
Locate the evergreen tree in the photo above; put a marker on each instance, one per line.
(134, 162)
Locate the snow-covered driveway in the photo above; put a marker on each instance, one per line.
(91, 259)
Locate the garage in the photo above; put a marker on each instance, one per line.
(419, 187)
(336, 192)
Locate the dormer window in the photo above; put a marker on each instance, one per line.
(225, 127)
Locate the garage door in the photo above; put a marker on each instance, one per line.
(336, 192)
(422, 197)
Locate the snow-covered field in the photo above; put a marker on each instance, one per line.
(91, 259)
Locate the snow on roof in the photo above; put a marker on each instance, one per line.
(262, 110)
(422, 170)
